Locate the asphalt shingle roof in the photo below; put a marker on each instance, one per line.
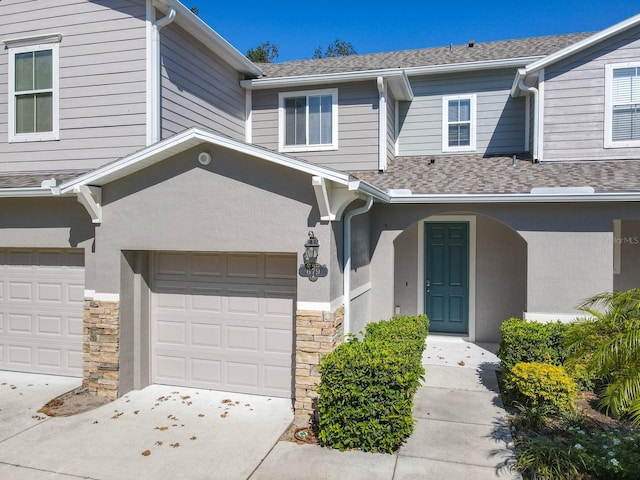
(35, 179)
(481, 51)
(477, 174)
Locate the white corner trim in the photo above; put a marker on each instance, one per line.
(527, 122)
(101, 297)
(471, 220)
(91, 199)
(248, 116)
(150, 19)
(540, 107)
(382, 123)
(552, 317)
(397, 129)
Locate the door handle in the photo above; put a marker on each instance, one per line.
(427, 285)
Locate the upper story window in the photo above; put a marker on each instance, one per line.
(33, 88)
(622, 105)
(308, 121)
(459, 123)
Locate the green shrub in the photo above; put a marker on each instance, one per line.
(543, 384)
(367, 387)
(525, 341)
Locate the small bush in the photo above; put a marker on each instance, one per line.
(367, 387)
(543, 384)
(524, 341)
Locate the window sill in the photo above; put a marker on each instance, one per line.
(459, 150)
(34, 137)
(622, 144)
(308, 148)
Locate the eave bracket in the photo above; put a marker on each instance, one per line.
(91, 200)
(332, 200)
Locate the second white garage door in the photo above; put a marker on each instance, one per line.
(223, 321)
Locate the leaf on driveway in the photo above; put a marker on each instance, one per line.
(223, 415)
(174, 445)
(201, 414)
(158, 443)
(193, 438)
(146, 453)
(162, 429)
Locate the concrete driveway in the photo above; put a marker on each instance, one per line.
(189, 433)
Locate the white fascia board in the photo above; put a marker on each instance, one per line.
(583, 44)
(25, 192)
(209, 37)
(189, 139)
(517, 198)
(317, 79)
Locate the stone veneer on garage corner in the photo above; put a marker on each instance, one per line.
(316, 333)
(101, 332)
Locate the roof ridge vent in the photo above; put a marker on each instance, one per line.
(471, 43)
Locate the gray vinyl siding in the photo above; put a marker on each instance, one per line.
(391, 128)
(102, 82)
(198, 88)
(500, 125)
(357, 128)
(574, 101)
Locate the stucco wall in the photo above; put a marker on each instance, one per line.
(236, 204)
(569, 255)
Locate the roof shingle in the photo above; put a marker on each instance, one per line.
(495, 175)
(483, 51)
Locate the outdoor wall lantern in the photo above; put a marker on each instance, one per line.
(311, 269)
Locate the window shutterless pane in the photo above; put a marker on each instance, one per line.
(314, 120)
(459, 135)
(465, 110)
(24, 71)
(626, 123)
(453, 111)
(44, 112)
(295, 123)
(43, 63)
(326, 134)
(25, 113)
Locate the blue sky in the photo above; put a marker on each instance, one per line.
(298, 27)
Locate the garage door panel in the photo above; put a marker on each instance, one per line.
(41, 309)
(171, 333)
(237, 312)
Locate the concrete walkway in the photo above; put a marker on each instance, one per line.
(461, 430)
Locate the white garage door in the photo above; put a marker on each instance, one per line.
(41, 308)
(224, 321)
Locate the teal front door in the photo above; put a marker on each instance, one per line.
(446, 281)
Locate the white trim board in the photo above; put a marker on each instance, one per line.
(471, 220)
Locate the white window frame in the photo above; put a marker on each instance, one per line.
(608, 107)
(34, 44)
(282, 96)
(446, 148)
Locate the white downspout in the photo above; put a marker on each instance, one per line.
(536, 109)
(156, 83)
(346, 277)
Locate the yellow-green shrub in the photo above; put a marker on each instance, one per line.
(543, 383)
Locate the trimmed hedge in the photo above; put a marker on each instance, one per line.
(367, 387)
(543, 384)
(524, 341)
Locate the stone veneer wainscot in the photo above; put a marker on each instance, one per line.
(101, 362)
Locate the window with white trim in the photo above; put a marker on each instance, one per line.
(308, 121)
(33, 89)
(459, 123)
(622, 105)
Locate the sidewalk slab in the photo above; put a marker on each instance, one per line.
(460, 378)
(461, 406)
(11, 472)
(291, 461)
(189, 433)
(460, 443)
(23, 394)
(410, 468)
